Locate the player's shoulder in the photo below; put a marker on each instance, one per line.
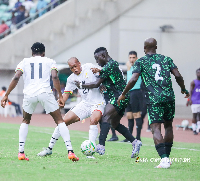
(88, 66)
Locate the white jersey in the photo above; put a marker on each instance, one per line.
(36, 74)
(90, 96)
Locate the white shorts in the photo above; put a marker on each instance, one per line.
(47, 100)
(195, 108)
(84, 110)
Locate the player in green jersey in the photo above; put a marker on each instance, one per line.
(112, 78)
(155, 70)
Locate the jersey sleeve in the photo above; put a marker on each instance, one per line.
(171, 64)
(20, 67)
(53, 65)
(106, 71)
(137, 68)
(70, 86)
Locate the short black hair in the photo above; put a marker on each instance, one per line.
(197, 69)
(133, 53)
(4, 88)
(38, 48)
(99, 50)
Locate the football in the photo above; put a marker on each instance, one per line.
(88, 148)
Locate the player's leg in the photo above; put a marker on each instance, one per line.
(29, 105)
(195, 110)
(94, 120)
(198, 121)
(155, 115)
(23, 132)
(136, 104)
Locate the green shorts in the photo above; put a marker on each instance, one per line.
(160, 112)
(123, 104)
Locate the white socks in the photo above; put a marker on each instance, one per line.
(54, 138)
(64, 132)
(198, 126)
(93, 133)
(23, 131)
(194, 125)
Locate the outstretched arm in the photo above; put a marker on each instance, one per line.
(128, 87)
(89, 85)
(180, 81)
(11, 87)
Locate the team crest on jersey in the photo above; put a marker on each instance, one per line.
(86, 75)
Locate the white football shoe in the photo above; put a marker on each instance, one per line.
(164, 163)
(45, 152)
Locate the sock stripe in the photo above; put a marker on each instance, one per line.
(54, 138)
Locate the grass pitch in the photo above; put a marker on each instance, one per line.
(116, 164)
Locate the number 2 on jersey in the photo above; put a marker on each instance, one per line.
(157, 75)
(32, 70)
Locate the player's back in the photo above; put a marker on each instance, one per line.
(155, 71)
(36, 74)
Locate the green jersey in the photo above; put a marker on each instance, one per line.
(155, 71)
(115, 84)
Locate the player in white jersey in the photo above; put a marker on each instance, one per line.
(92, 104)
(36, 74)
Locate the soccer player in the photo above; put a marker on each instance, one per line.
(194, 101)
(36, 72)
(112, 78)
(134, 108)
(155, 70)
(92, 104)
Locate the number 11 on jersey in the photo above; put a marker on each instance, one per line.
(33, 72)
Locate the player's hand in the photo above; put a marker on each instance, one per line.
(3, 101)
(189, 102)
(61, 102)
(77, 83)
(120, 98)
(102, 89)
(95, 70)
(185, 92)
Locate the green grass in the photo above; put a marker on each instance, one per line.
(116, 164)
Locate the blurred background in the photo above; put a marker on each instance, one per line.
(75, 28)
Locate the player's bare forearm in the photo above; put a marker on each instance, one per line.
(14, 82)
(131, 83)
(179, 78)
(65, 96)
(56, 82)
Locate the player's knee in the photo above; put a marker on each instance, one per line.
(94, 121)
(137, 115)
(129, 115)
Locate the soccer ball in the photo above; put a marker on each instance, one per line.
(185, 123)
(88, 148)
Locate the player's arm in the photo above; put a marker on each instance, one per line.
(128, 87)
(192, 85)
(12, 85)
(56, 83)
(91, 85)
(180, 81)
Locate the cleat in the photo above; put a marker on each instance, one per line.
(72, 157)
(45, 152)
(125, 140)
(100, 149)
(136, 148)
(195, 133)
(164, 163)
(21, 156)
(148, 130)
(90, 157)
(114, 138)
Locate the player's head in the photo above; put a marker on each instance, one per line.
(150, 45)
(74, 65)
(132, 56)
(4, 88)
(198, 73)
(101, 54)
(38, 49)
